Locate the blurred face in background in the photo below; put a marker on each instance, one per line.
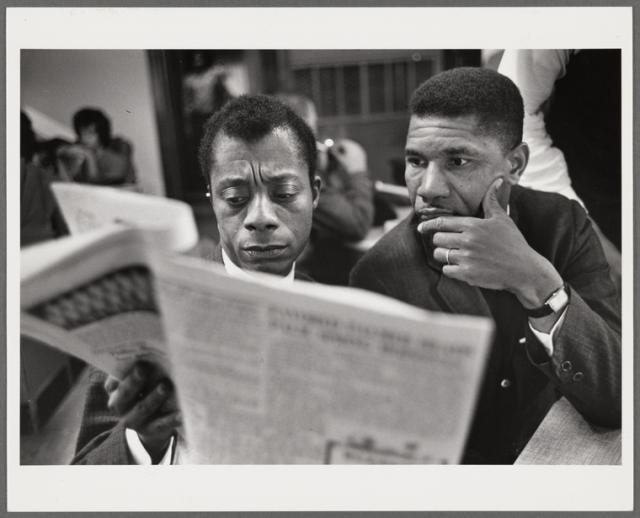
(263, 199)
(89, 137)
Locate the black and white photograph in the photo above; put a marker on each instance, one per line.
(354, 261)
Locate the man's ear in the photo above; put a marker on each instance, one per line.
(518, 158)
(316, 185)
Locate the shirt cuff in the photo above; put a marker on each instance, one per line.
(139, 453)
(546, 339)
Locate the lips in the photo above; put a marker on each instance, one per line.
(427, 214)
(271, 251)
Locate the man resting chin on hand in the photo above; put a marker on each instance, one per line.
(479, 244)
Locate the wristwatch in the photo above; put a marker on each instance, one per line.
(555, 303)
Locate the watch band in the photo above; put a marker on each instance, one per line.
(549, 307)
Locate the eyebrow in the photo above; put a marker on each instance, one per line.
(410, 151)
(460, 150)
(450, 151)
(231, 180)
(281, 176)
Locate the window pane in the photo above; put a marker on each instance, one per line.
(303, 82)
(351, 81)
(424, 70)
(376, 88)
(328, 98)
(399, 87)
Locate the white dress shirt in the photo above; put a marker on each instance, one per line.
(546, 339)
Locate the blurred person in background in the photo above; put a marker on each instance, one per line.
(40, 217)
(345, 210)
(572, 102)
(97, 157)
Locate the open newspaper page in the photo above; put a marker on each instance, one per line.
(92, 296)
(87, 207)
(315, 374)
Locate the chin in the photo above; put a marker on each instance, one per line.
(273, 268)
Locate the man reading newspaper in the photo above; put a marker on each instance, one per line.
(258, 159)
(479, 244)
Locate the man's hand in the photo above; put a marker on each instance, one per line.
(492, 253)
(350, 155)
(146, 406)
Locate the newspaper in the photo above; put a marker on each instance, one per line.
(270, 374)
(264, 372)
(92, 296)
(87, 207)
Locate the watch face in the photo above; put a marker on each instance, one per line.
(558, 301)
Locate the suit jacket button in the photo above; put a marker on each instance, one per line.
(578, 376)
(505, 383)
(566, 366)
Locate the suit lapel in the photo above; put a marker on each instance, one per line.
(462, 298)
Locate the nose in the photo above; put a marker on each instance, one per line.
(433, 184)
(261, 214)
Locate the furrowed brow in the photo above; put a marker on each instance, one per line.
(412, 152)
(232, 181)
(460, 150)
(280, 176)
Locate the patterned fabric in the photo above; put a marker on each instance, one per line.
(128, 289)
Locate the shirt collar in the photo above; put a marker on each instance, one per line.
(234, 271)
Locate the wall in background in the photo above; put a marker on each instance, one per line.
(59, 82)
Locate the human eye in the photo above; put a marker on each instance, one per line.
(235, 197)
(457, 161)
(284, 192)
(415, 161)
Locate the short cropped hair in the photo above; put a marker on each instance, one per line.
(250, 118)
(470, 91)
(302, 105)
(93, 117)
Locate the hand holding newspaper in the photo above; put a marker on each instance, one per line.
(264, 373)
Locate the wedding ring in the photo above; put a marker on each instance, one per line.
(448, 252)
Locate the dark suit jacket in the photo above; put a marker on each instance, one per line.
(101, 439)
(585, 366)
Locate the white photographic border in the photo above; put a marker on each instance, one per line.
(318, 488)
